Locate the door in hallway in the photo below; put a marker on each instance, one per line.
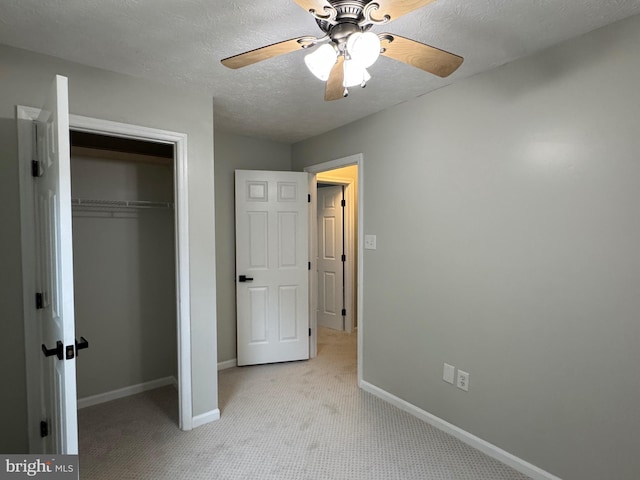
(331, 257)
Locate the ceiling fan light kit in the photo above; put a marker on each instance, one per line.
(348, 47)
(321, 61)
(364, 48)
(355, 74)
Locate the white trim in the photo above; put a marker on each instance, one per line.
(181, 182)
(313, 258)
(125, 392)
(25, 118)
(228, 364)
(358, 160)
(335, 164)
(479, 444)
(204, 418)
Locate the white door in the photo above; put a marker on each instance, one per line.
(272, 277)
(54, 276)
(330, 257)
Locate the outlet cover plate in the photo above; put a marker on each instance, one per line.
(463, 381)
(370, 242)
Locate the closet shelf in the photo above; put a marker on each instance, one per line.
(82, 203)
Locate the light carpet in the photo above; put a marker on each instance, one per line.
(290, 421)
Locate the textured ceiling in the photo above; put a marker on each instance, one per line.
(181, 42)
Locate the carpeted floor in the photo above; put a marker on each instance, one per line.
(290, 421)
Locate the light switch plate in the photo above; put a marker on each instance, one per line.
(448, 373)
(370, 242)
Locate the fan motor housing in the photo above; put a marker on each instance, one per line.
(350, 11)
(340, 32)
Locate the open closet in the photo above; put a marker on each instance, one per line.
(124, 265)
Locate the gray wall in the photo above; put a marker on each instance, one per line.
(24, 78)
(234, 152)
(124, 275)
(506, 210)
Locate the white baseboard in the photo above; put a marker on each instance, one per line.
(125, 392)
(227, 364)
(485, 447)
(207, 417)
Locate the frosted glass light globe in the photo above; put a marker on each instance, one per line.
(354, 74)
(364, 48)
(321, 61)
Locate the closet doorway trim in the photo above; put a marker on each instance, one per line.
(181, 194)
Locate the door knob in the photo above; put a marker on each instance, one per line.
(71, 350)
(83, 343)
(244, 278)
(58, 351)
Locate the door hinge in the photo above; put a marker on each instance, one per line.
(344, 258)
(36, 165)
(309, 198)
(309, 332)
(344, 312)
(36, 168)
(44, 429)
(343, 203)
(39, 301)
(309, 265)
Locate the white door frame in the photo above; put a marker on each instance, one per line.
(26, 116)
(358, 160)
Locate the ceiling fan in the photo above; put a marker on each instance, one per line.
(348, 47)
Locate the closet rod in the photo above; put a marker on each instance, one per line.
(93, 203)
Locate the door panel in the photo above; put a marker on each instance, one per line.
(330, 250)
(272, 252)
(54, 270)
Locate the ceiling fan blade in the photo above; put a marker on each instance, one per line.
(265, 53)
(420, 55)
(315, 5)
(335, 84)
(394, 9)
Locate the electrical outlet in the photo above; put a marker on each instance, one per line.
(448, 373)
(370, 242)
(463, 381)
